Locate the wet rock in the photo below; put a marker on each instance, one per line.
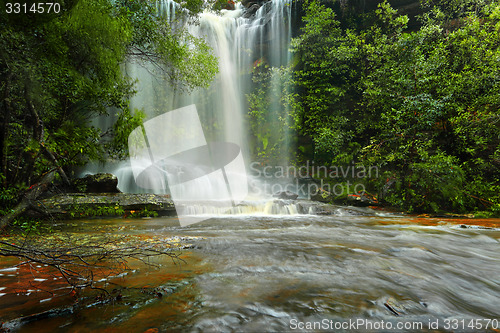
(61, 205)
(98, 183)
(252, 6)
(307, 180)
(361, 200)
(287, 195)
(249, 3)
(152, 330)
(449, 216)
(252, 10)
(394, 307)
(15, 324)
(352, 212)
(466, 226)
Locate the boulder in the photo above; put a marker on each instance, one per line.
(252, 10)
(252, 6)
(98, 183)
(62, 205)
(247, 3)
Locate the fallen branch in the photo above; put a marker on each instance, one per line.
(29, 197)
(79, 264)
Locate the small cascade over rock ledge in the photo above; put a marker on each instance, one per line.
(76, 205)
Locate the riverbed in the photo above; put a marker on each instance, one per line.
(262, 273)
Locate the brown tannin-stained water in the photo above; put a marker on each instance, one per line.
(289, 273)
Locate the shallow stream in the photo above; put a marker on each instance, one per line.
(288, 273)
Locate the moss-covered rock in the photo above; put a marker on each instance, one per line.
(84, 204)
(98, 183)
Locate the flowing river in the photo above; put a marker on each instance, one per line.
(252, 273)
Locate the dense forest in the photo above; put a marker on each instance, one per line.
(420, 100)
(59, 71)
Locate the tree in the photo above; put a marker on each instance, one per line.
(60, 71)
(183, 59)
(432, 81)
(423, 105)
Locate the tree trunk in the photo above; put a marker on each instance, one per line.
(38, 133)
(31, 195)
(5, 130)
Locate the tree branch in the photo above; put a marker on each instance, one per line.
(32, 194)
(38, 131)
(77, 263)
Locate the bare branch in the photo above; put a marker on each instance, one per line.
(78, 262)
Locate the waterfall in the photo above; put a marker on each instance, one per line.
(245, 42)
(239, 43)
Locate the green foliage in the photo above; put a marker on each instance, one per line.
(81, 211)
(56, 77)
(389, 20)
(76, 211)
(332, 62)
(442, 11)
(183, 59)
(8, 199)
(269, 114)
(217, 5)
(123, 126)
(143, 213)
(27, 225)
(423, 105)
(432, 184)
(442, 80)
(30, 226)
(58, 74)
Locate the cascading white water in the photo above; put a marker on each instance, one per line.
(259, 207)
(167, 9)
(239, 43)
